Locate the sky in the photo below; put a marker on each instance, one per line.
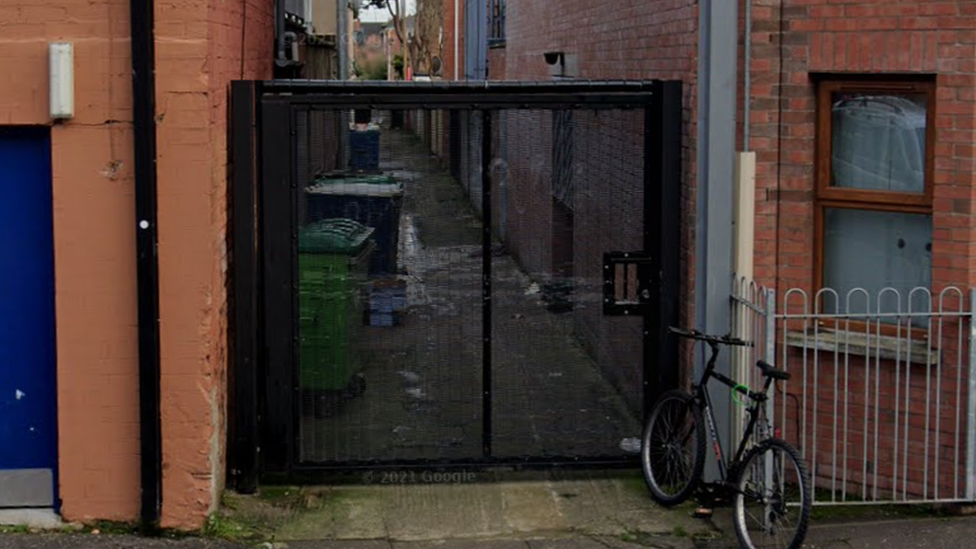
(374, 15)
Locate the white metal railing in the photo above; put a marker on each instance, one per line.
(882, 402)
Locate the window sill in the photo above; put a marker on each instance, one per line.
(854, 343)
(496, 43)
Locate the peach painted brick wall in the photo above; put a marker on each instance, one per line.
(198, 51)
(200, 46)
(94, 241)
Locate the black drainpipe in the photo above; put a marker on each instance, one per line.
(144, 142)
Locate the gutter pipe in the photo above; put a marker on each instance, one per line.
(144, 143)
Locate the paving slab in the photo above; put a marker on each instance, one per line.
(341, 513)
(90, 541)
(532, 507)
(335, 544)
(465, 544)
(34, 518)
(942, 533)
(593, 503)
(431, 512)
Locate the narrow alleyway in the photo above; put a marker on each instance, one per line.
(424, 376)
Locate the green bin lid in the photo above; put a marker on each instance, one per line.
(381, 186)
(357, 179)
(334, 236)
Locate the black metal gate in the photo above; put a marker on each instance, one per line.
(450, 273)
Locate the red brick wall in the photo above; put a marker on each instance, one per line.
(530, 209)
(922, 37)
(496, 63)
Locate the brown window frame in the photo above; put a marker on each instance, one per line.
(496, 23)
(827, 196)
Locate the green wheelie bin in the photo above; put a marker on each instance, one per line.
(333, 262)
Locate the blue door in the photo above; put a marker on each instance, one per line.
(28, 419)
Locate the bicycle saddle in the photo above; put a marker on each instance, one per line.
(769, 370)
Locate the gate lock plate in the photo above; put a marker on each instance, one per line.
(627, 283)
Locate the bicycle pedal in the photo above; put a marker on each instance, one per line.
(702, 512)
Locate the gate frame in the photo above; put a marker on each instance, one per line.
(262, 427)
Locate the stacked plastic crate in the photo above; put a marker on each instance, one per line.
(387, 301)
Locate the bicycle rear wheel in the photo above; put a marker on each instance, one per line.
(773, 497)
(673, 448)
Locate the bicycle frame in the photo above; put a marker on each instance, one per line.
(754, 410)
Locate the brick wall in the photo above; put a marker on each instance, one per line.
(94, 241)
(529, 189)
(863, 37)
(199, 49)
(924, 37)
(239, 34)
(496, 63)
(201, 46)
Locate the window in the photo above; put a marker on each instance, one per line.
(496, 22)
(874, 191)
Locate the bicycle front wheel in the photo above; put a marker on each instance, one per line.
(773, 497)
(673, 448)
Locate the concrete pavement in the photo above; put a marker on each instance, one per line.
(414, 507)
(513, 510)
(908, 533)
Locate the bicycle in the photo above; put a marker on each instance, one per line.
(761, 478)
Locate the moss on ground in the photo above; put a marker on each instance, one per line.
(851, 513)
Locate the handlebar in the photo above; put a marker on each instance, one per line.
(710, 339)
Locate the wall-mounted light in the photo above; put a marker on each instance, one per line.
(62, 80)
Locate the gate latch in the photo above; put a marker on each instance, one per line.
(627, 283)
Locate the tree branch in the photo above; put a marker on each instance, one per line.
(396, 19)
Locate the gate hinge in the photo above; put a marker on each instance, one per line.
(628, 282)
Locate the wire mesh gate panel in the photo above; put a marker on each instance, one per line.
(435, 276)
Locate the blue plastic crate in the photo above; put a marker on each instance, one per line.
(364, 150)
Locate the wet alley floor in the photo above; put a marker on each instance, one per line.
(425, 376)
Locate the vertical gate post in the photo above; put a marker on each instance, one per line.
(770, 352)
(971, 404)
(278, 240)
(243, 424)
(662, 235)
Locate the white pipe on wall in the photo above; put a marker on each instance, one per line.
(457, 38)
